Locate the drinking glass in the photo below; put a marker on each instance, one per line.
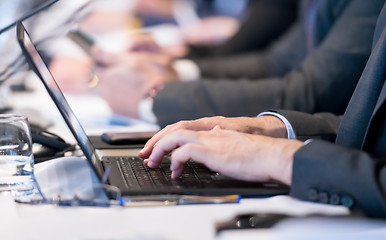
(16, 157)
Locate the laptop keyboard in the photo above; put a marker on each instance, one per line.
(138, 176)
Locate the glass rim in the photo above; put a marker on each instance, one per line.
(12, 117)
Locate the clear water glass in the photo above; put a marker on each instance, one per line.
(16, 157)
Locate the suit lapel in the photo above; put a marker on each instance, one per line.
(378, 73)
(376, 133)
(381, 99)
(369, 95)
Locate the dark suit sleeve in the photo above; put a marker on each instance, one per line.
(324, 82)
(265, 21)
(329, 173)
(273, 61)
(312, 126)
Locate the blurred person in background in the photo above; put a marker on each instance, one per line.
(224, 27)
(198, 20)
(313, 67)
(106, 24)
(114, 29)
(113, 25)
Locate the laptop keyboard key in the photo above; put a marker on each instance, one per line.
(138, 176)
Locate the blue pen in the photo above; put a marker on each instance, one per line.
(169, 200)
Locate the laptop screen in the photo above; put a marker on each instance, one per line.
(36, 62)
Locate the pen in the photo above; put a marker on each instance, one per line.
(170, 200)
(138, 201)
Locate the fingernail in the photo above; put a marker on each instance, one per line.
(144, 149)
(150, 163)
(171, 167)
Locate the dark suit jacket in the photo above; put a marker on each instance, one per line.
(265, 21)
(352, 171)
(324, 81)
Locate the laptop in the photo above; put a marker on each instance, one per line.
(129, 173)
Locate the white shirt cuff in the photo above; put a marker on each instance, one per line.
(290, 131)
(145, 110)
(187, 70)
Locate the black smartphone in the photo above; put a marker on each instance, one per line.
(123, 138)
(82, 40)
(247, 221)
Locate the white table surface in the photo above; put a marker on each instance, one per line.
(189, 222)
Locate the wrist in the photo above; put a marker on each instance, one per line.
(285, 158)
(289, 129)
(272, 126)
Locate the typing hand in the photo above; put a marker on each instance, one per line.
(238, 155)
(265, 125)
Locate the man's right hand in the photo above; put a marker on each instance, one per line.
(264, 125)
(242, 156)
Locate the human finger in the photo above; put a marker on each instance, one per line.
(169, 143)
(180, 156)
(148, 148)
(196, 125)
